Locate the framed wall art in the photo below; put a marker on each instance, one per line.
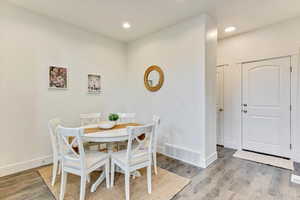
(58, 77)
(94, 83)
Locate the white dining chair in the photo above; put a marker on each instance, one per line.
(136, 156)
(81, 163)
(52, 125)
(156, 121)
(90, 118)
(126, 118)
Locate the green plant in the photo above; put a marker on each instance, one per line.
(113, 117)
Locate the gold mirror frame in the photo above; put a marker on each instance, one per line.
(161, 78)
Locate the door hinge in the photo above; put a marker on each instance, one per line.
(291, 68)
(291, 146)
(290, 107)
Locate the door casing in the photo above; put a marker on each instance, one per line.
(220, 105)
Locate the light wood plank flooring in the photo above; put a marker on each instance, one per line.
(228, 178)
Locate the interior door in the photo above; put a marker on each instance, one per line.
(266, 106)
(220, 105)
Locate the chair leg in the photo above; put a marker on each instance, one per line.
(63, 184)
(149, 181)
(154, 162)
(82, 186)
(112, 175)
(107, 174)
(59, 167)
(127, 183)
(54, 171)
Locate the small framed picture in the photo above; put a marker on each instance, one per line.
(58, 77)
(94, 83)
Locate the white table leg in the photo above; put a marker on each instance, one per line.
(135, 174)
(102, 176)
(98, 182)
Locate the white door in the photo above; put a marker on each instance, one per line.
(266, 106)
(220, 105)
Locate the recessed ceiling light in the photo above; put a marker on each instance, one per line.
(126, 25)
(230, 29)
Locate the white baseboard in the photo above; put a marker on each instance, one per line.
(296, 156)
(186, 155)
(210, 159)
(230, 145)
(295, 179)
(25, 165)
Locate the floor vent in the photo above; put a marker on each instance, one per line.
(183, 154)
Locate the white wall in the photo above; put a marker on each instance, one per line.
(182, 52)
(210, 90)
(273, 41)
(29, 43)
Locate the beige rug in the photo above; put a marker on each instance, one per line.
(265, 159)
(164, 186)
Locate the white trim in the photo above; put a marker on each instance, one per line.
(295, 179)
(257, 59)
(25, 165)
(265, 59)
(295, 156)
(294, 99)
(210, 159)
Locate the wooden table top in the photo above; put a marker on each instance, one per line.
(118, 126)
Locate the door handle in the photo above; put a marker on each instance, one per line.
(244, 111)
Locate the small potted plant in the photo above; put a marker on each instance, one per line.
(113, 117)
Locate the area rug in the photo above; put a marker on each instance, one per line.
(265, 159)
(165, 185)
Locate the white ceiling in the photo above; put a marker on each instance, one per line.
(147, 16)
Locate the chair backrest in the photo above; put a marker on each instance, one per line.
(126, 117)
(52, 125)
(156, 121)
(91, 118)
(143, 149)
(68, 138)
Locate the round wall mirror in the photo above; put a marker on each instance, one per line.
(153, 78)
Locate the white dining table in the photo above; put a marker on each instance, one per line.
(118, 134)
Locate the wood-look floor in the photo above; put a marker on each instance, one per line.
(228, 178)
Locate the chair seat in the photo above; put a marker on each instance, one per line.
(121, 157)
(92, 158)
